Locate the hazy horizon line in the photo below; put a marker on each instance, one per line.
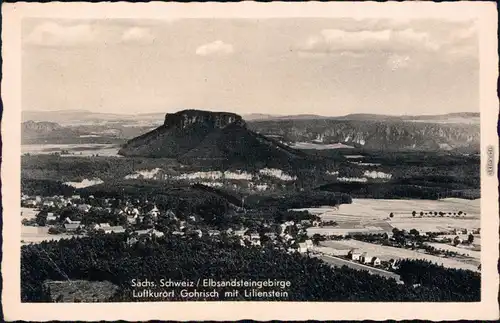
(249, 113)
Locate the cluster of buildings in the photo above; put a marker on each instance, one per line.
(57, 201)
(363, 257)
(139, 219)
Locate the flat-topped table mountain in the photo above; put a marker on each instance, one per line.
(204, 135)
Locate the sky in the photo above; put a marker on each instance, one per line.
(330, 67)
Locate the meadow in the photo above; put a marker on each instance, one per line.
(376, 214)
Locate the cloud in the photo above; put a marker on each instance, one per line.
(137, 34)
(430, 38)
(462, 43)
(338, 41)
(216, 48)
(54, 34)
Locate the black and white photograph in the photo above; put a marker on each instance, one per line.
(269, 159)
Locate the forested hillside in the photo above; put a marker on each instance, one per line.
(110, 258)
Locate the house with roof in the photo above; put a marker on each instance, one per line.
(212, 233)
(115, 229)
(48, 203)
(365, 258)
(132, 211)
(99, 226)
(353, 254)
(51, 216)
(157, 233)
(71, 227)
(254, 242)
(302, 247)
(142, 232)
(254, 236)
(149, 232)
(69, 221)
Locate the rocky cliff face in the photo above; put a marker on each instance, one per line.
(375, 134)
(40, 127)
(216, 120)
(42, 132)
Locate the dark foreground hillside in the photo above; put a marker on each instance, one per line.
(110, 258)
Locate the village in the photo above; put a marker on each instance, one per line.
(60, 217)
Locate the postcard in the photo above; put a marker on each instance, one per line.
(265, 161)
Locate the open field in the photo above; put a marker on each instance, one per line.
(386, 253)
(31, 234)
(78, 150)
(373, 215)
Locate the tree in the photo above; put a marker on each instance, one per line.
(413, 213)
(391, 215)
(456, 241)
(56, 230)
(41, 219)
(414, 232)
(421, 213)
(470, 239)
(316, 238)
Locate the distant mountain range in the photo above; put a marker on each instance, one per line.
(84, 116)
(220, 135)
